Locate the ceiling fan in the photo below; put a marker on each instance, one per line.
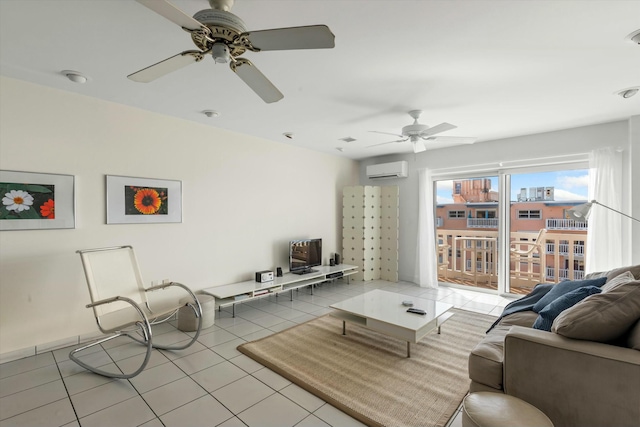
(223, 35)
(418, 133)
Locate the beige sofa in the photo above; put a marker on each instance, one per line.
(585, 371)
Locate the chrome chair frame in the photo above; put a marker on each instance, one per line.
(138, 329)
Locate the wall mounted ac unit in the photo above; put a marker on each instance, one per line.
(388, 170)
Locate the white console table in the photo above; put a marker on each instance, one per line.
(230, 295)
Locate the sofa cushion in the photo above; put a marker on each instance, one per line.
(602, 317)
(523, 318)
(550, 312)
(634, 269)
(620, 279)
(633, 339)
(485, 360)
(564, 287)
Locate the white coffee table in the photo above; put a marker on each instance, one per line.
(383, 312)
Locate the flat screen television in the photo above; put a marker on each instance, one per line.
(304, 254)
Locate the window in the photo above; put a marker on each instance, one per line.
(457, 214)
(529, 214)
(457, 188)
(487, 213)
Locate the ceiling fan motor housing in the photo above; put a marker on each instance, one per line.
(225, 27)
(414, 129)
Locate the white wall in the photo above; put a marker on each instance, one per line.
(238, 209)
(559, 143)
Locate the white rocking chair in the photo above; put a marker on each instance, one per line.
(120, 305)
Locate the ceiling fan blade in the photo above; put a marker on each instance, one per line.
(256, 80)
(452, 139)
(418, 146)
(173, 14)
(385, 143)
(442, 127)
(309, 37)
(387, 133)
(167, 66)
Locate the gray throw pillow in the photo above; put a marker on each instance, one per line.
(621, 279)
(562, 288)
(602, 317)
(634, 269)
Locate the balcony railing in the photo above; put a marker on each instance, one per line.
(471, 257)
(482, 223)
(566, 224)
(563, 249)
(565, 274)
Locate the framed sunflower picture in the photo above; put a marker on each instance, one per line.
(143, 200)
(36, 201)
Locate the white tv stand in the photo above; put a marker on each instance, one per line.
(236, 293)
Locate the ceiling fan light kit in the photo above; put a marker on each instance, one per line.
(224, 36)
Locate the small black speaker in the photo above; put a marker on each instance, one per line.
(337, 259)
(332, 262)
(278, 272)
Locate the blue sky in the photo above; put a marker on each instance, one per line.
(568, 185)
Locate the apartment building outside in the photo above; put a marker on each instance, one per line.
(545, 246)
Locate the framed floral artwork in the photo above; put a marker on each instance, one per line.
(143, 200)
(36, 201)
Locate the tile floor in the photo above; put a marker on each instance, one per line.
(208, 384)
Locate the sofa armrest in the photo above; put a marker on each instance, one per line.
(574, 382)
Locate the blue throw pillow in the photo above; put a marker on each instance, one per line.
(550, 312)
(562, 288)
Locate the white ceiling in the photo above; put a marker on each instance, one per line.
(495, 69)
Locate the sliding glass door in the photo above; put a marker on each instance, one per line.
(467, 231)
(545, 246)
(528, 209)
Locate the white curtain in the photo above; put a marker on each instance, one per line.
(426, 257)
(604, 250)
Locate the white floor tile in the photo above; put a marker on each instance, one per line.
(335, 417)
(312, 421)
(131, 412)
(24, 365)
(101, 397)
(86, 380)
(198, 361)
(242, 394)
(54, 414)
(157, 376)
(205, 411)
(246, 363)
(228, 350)
(26, 400)
(270, 378)
(274, 411)
(302, 397)
(218, 376)
(29, 379)
(173, 395)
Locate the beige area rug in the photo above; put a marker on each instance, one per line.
(367, 374)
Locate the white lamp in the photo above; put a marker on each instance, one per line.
(581, 212)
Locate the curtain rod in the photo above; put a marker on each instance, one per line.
(512, 164)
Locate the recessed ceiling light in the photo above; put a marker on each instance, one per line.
(628, 92)
(75, 76)
(210, 113)
(634, 37)
(347, 139)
